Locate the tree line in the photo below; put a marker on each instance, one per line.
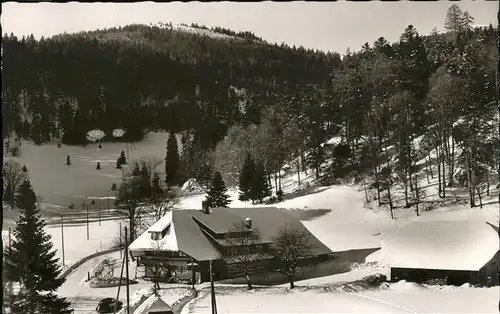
(144, 78)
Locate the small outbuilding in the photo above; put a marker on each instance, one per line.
(457, 252)
(154, 305)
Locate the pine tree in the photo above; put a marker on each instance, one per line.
(217, 193)
(171, 160)
(136, 171)
(260, 187)
(453, 21)
(25, 169)
(98, 167)
(246, 178)
(68, 160)
(31, 260)
(122, 160)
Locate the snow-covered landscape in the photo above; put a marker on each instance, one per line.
(348, 225)
(182, 167)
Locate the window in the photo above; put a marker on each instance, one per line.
(155, 236)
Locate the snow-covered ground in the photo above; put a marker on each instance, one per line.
(349, 224)
(63, 185)
(76, 245)
(401, 297)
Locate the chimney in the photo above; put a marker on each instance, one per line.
(248, 223)
(205, 207)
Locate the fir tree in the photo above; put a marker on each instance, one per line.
(453, 21)
(217, 193)
(31, 260)
(68, 160)
(25, 169)
(171, 160)
(260, 188)
(122, 160)
(136, 171)
(246, 178)
(98, 167)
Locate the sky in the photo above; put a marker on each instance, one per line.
(327, 26)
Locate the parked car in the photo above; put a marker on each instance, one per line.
(107, 305)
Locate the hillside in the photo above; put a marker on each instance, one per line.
(231, 95)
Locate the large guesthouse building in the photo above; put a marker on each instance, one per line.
(189, 239)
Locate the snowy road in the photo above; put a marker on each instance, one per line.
(297, 302)
(74, 283)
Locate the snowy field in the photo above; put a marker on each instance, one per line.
(401, 297)
(63, 185)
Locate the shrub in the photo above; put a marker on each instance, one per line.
(279, 195)
(15, 151)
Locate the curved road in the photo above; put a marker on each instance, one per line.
(74, 283)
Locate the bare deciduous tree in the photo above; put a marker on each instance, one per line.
(129, 199)
(157, 266)
(291, 247)
(244, 249)
(13, 176)
(161, 204)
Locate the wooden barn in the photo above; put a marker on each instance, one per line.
(456, 252)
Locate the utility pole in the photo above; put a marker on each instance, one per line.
(11, 289)
(120, 240)
(212, 290)
(62, 238)
(120, 281)
(99, 210)
(87, 207)
(126, 270)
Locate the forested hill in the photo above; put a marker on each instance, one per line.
(142, 77)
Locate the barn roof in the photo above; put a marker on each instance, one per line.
(443, 245)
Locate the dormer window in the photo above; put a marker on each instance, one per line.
(156, 236)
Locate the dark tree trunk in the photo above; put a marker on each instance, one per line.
(479, 196)
(276, 183)
(452, 164)
(298, 172)
(439, 172)
(430, 166)
(487, 184)
(303, 161)
(390, 198)
(443, 166)
(407, 205)
(471, 187)
(249, 283)
(366, 191)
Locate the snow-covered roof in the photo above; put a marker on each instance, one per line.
(444, 245)
(153, 304)
(334, 140)
(169, 241)
(161, 224)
